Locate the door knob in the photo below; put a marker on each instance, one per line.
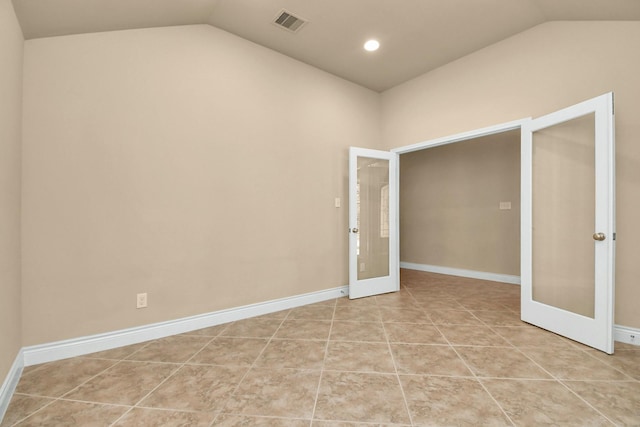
(354, 230)
(599, 236)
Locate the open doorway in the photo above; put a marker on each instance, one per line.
(460, 208)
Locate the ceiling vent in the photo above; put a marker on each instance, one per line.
(286, 20)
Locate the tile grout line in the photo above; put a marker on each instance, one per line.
(553, 377)
(324, 359)
(588, 353)
(395, 367)
(136, 405)
(477, 379)
(395, 364)
(119, 361)
(34, 412)
(180, 366)
(235, 389)
(585, 401)
(519, 350)
(61, 397)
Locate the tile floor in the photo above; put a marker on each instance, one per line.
(443, 351)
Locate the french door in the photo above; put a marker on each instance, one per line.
(567, 225)
(568, 222)
(373, 224)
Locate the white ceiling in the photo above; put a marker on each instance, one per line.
(416, 36)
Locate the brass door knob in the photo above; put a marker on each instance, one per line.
(599, 236)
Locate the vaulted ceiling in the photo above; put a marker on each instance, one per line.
(416, 36)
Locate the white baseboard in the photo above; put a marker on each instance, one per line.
(10, 383)
(626, 335)
(49, 352)
(494, 277)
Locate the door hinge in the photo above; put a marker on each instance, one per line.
(613, 105)
(614, 236)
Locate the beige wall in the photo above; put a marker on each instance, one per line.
(11, 49)
(536, 72)
(449, 205)
(183, 162)
(201, 168)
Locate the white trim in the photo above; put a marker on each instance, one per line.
(49, 352)
(477, 133)
(626, 335)
(494, 277)
(10, 383)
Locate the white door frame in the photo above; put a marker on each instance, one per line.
(450, 139)
(473, 134)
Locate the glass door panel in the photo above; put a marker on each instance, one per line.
(564, 215)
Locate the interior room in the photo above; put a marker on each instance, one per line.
(450, 201)
(192, 157)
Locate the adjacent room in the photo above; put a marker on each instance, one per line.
(174, 211)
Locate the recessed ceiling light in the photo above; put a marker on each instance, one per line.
(371, 45)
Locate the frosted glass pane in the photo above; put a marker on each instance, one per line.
(373, 218)
(564, 215)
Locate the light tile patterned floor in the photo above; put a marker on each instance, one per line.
(443, 351)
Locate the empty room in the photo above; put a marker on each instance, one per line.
(230, 212)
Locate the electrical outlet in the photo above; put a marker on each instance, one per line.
(141, 300)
